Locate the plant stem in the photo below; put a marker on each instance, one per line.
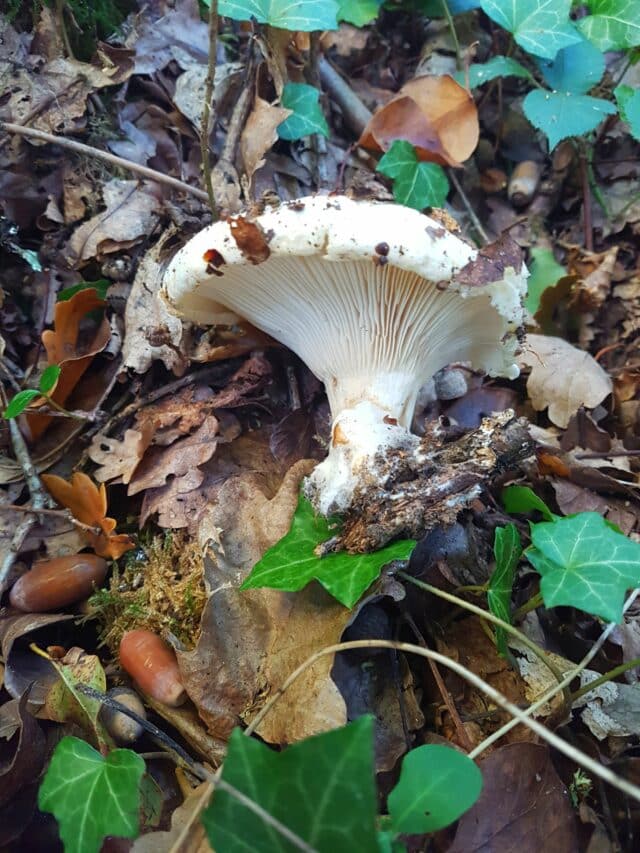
(549, 694)
(205, 129)
(519, 716)
(473, 216)
(489, 617)
(603, 679)
(454, 34)
(89, 151)
(534, 602)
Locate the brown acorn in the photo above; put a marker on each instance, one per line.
(56, 583)
(153, 666)
(123, 728)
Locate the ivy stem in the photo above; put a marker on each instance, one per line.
(603, 679)
(490, 617)
(519, 716)
(454, 34)
(534, 602)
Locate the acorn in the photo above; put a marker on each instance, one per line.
(56, 583)
(122, 728)
(523, 183)
(153, 666)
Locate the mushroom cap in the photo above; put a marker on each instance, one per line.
(370, 295)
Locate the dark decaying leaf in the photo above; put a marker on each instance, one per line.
(523, 805)
(22, 755)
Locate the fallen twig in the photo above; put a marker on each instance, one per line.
(39, 498)
(205, 128)
(98, 154)
(519, 716)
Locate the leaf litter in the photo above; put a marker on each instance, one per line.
(179, 450)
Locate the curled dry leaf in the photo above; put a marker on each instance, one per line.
(178, 459)
(118, 460)
(63, 347)
(131, 213)
(435, 114)
(563, 378)
(88, 504)
(145, 314)
(260, 134)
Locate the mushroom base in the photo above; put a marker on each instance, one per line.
(360, 440)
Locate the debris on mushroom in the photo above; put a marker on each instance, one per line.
(375, 298)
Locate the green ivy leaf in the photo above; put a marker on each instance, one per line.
(91, 796)
(424, 800)
(358, 12)
(304, 15)
(584, 564)
(415, 184)
(100, 286)
(561, 114)
(575, 69)
(321, 788)
(544, 272)
(49, 378)
(292, 563)
(522, 500)
(307, 117)
(497, 66)
(628, 100)
(541, 27)
(507, 549)
(19, 403)
(612, 24)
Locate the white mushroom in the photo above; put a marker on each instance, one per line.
(375, 298)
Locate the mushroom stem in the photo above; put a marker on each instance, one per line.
(361, 438)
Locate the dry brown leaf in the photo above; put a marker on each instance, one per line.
(88, 504)
(435, 114)
(51, 98)
(177, 459)
(186, 830)
(119, 459)
(62, 347)
(252, 640)
(146, 314)
(562, 378)
(260, 134)
(524, 805)
(132, 210)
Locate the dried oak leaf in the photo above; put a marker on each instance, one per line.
(178, 458)
(132, 211)
(118, 460)
(562, 378)
(88, 504)
(435, 114)
(68, 347)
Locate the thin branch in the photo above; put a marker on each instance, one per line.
(564, 684)
(473, 216)
(355, 113)
(39, 497)
(58, 513)
(490, 617)
(574, 754)
(205, 129)
(96, 153)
